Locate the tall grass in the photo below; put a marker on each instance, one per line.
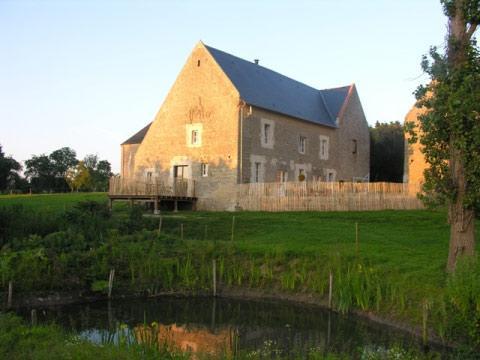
(399, 265)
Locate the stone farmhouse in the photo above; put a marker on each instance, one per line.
(227, 121)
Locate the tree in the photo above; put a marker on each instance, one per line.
(387, 146)
(100, 172)
(79, 178)
(62, 160)
(39, 170)
(451, 126)
(48, 173)
(9, 168)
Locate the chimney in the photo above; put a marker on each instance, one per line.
(256, 61)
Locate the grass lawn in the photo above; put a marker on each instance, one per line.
(408, 242)
(50, 202)
(400, 261)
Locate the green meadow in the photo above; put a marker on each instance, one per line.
(391, 263)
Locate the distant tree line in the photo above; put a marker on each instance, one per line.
(387, 152)
(60, 171)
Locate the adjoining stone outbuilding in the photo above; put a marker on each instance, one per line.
(228, 121)
(414, 164)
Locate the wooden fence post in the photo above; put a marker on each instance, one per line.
(425, 308)
(110, 282)
(10, 293)
(357, 247)
(233, 227)
(34, 317)
(160, 225)
(214, 277)
(330, 290)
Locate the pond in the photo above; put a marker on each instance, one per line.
(227, 326)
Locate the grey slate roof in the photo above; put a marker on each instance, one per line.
(138, 137)
(267, 89)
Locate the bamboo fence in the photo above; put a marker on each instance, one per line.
(328, 196)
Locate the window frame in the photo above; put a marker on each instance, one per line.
(204, 169)
(267, 133)
(324, 147)
(302, 144)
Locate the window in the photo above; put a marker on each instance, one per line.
(257, 172)
(267, 131)
(204, 169)
(149, 176)
(282, 176)
(324, 147)
(354, 149)
(194, 138)
(180, 171)
(194, 135)
(302, 144)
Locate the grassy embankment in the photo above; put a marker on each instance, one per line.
(397, 272)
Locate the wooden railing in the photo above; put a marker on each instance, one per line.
(327, 196)
(155, 187)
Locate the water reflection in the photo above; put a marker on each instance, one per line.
(225, 326)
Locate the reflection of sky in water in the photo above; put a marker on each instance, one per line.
(207, 324)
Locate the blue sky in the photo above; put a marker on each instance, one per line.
(88, 74)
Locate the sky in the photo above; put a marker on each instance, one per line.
(89, 74)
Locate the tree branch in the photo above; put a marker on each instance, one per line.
(472, 28)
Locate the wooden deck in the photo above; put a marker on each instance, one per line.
(154, 191)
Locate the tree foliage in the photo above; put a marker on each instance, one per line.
(9, 169)
(450, 126)
(60, 171)
(387, 147)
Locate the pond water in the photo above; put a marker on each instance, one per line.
(226, 326)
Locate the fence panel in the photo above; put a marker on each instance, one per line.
(328, 196)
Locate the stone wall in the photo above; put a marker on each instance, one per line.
(284, 153)
(414, 160)
(353, 126)
(203, 98)
(128, 160)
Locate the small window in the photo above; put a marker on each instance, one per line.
(198, 62)
(194, 135)
(331, 176)
(194, 140)
(324, 147)
(282, 176)
(354, 148)
(257, 172)
(266, 133)
(149, 176)
(302, 144)
(204, 169)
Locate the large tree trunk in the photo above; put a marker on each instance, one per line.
(462, 234)
(462, 220)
